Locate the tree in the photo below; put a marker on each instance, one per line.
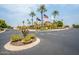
(23, 29)
(3, 24)
(35, 25)
(55, 13)
(75, 25)
(9, 27)
(48, 25)
(59, 23)
(42, 9)
(54, 24)
(23, 22)
(32, 14)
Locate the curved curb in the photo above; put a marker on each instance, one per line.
(10, 47)
(2, 31)
(49, 30)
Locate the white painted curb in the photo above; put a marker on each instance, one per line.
(50, 30)
(2, 31)
(10, 47)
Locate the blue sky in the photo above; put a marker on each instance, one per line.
(14, 14)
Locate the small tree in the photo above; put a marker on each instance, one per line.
(3, 24)
(24, 30)
(75, 25)
(54, 24)
(23, 22)
(59, 23)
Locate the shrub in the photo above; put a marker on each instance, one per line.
(28, 38)
(24, 30)
(15, 38)
(32, 36)
(59, 23)
(75, 26)
(3, 23)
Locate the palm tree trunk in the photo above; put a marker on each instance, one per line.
(23, 22)
(32, 20)
(42, 19)
(54, 17)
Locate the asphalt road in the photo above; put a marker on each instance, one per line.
(64, 42)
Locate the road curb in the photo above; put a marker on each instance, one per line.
(10, 47)
(48, 30)
(2, 31)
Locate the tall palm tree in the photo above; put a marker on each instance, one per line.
(23, 22)
(32, 14)
(42, 9)
(55, 13)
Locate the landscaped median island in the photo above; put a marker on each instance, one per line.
(2, 30)
(18, 43)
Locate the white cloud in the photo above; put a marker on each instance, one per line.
(17, 12)
(16, 8)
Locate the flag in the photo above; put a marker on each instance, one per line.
(46, 17)
(38, 19)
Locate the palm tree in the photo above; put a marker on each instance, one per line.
(23, 22)
(42, 9)
(55, 13)
(32, 14)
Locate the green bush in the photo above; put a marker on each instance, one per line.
(3, 24)
(59, 23)
(15, 38)
(28, 38)
(75, 26)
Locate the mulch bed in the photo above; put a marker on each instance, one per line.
(19, 43)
